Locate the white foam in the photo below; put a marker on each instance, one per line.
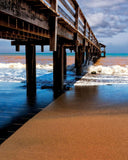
(104, 75)
(23, 66)
(109, 70)
(16, 72)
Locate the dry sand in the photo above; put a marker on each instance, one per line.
(72, 128)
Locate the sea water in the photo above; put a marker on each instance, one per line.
(106, 71)
(110, 70)
(16, 108)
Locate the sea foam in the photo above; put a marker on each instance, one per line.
(104, 75)
(109, 70)
(23, 66)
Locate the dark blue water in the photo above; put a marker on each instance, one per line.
(68, 54)
(38, 54)
(117, 54)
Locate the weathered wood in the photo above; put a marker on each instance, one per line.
(17, 48)
(25, 42)
(83, 54)
(77, 17)
(34, 19)
(58, 69)
(53, 27)
(79, 61)
(31, 70)
(42, 48)
(87, 54)
(65, 61)
(24, 11)
(65, 4)
(65, 15)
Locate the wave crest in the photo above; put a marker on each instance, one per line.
(109, 70)
(23, 66)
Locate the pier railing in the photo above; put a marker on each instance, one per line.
(70, 11)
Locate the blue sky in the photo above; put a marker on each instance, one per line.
(109, 22)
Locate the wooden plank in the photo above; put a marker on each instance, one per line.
(81, 30)
(65, 62)
(34, 42)
(65, 4)
(53, 27)
(81, 24)
(79, 61)
(63, 13)
(66, 27)
(77, 18)
(85, 26)
(48, 1)
(72, 4)
(81, 16)
(51, 9)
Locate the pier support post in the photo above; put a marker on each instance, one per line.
(65, 61)
(76, 56)
(79, 61)
(58, 70)
(83, 51)
(31, 70)
(87, 54)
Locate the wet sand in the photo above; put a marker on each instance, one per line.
(85, 123)
(39, 59)
(109, 61)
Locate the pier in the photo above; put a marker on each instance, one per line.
(84, 123)
(58, 23)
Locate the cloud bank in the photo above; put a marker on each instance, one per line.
(107, 18)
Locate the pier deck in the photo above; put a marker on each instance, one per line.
(77, 126)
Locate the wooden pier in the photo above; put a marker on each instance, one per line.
(58, 23)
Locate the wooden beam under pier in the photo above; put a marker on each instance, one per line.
(79, 61)
(31, 70)
(65, 61)
(58, 69)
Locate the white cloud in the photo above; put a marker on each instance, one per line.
(101, 3)
(108, 19)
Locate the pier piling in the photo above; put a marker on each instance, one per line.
(58, 69)
(31, 70)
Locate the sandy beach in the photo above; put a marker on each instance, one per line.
(84, 123)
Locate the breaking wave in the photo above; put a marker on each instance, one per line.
(23, 66)
(104, 75)
(109, 70)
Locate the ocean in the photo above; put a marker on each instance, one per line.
(16, 108)
(111, 70)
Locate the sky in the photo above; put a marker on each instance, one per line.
(108, 20)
